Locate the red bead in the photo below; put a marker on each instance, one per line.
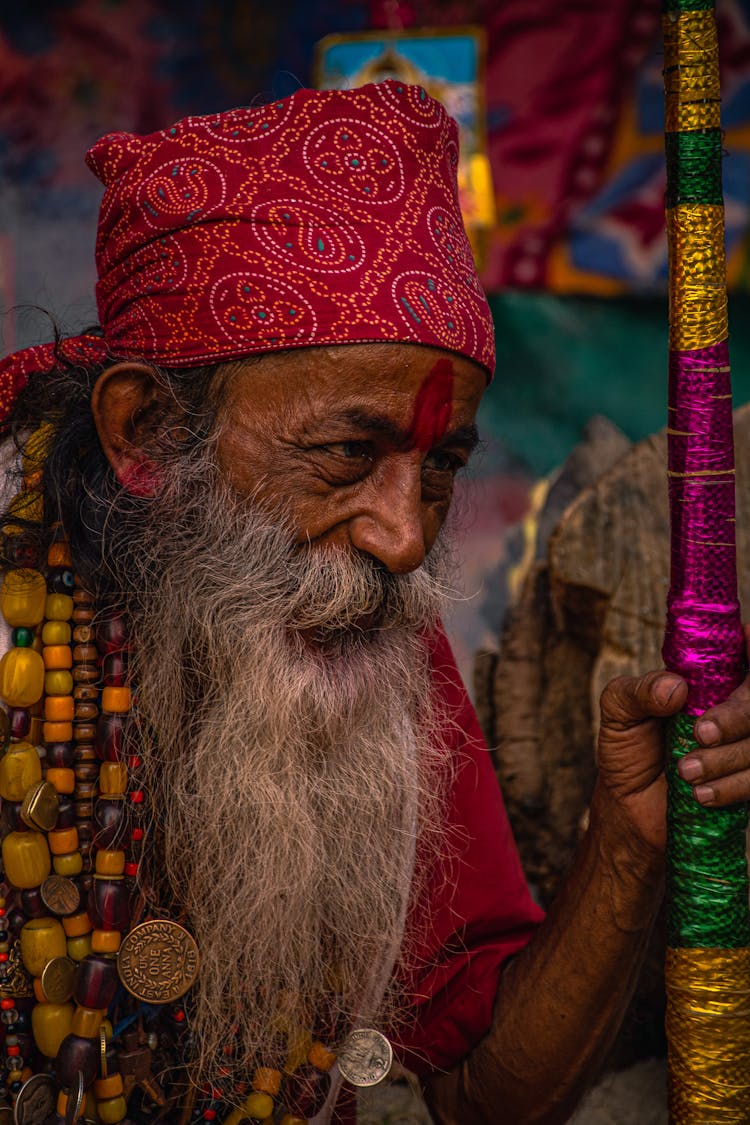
(13, 1050)
(179, 1014)
(134, 762)
(6, 1004)
(95, 982)
(3, 956)
(136, 796)
(131, 869)
(109, 905)
(209, 1114)
(137, 834)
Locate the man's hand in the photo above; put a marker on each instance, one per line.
(631, 754)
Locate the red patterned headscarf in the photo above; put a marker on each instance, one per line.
(329, 217)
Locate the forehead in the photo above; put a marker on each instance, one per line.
(396, 381)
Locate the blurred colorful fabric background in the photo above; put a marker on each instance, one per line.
(575, 264)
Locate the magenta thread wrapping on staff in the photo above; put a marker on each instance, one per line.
(704, 633)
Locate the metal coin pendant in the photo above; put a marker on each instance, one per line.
(57, 979)
(365, 1057)
(36, 1100)
(39, 807)
(158, 961)
(76, 1094)
(60, 895)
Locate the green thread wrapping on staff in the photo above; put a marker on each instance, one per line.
(707, 879)
(686, 5)
(694, 167)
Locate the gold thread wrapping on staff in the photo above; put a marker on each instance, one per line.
(708, 1029)
(697, 284)
(691, 77)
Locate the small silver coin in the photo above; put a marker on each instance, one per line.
(76, 1094)
(36, 1099)
(365, 1058)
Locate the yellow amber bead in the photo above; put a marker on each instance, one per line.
(266, 1080)
(37, 446)
(59, 554)
(56, 633)
(62, 1103)
(50, 1023)
(113, 778)
(320, 1057)
(76, 925)
(58, 607)
(258, 1105)
(58, 682)
(105, 941)
(87, 1021)
(20, 768)
(235, 1117)
(110, 862)
(41, 940)
(79, 947)
(21, 677)
(26, 859)
(290, 1119)
(69, 865)
(112, 1110)
(109, 1087)
(22, 597)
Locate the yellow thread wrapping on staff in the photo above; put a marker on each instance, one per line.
(691, 81)
(697, 298)
(707, 994)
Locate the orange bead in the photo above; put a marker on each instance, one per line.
(109, 1087)
(105, 941)
(63, 840)
(76, 925)
(57, 656)
(38, 990)
(116, 700)
(267, 1081)
(320, 1057)
(64, 780)
(59, 555)
(57, 732)
(59, 709)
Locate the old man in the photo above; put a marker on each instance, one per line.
(249, 821)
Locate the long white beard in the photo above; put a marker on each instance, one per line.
(293, 767)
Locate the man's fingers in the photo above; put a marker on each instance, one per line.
(706, 765)
(731, 790)
(630, 699)
(729, 722)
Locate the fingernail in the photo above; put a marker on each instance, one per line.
(664, 689)
(704, 794)
(707, 732)
(690, 769)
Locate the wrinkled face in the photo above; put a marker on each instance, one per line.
(359, 444)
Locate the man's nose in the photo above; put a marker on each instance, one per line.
(391, 527)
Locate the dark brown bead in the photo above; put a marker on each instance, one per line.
(110, 817)
(66, 812)
(84, 732)
(77, 1053)
(20, 722)
(87, 771)
(84, 693)
(85, 673)
(85, 712)
(32, 903)
(84, 810)
(81, 596)
(85, 654)
(85, 790)
(83, 615)
(109, 905)
(84, 752)
(84, 635)
(86, 882)
(110, 737)
(13, 813)
(85, 831)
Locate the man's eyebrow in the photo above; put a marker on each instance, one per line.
(466, 435)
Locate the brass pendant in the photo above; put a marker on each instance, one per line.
(158, 961)
(57, 979)
(36, 1100)
(39, 807)
(60, 895)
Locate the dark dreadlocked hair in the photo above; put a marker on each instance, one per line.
(79, 486)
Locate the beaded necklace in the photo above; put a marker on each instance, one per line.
(76, 814)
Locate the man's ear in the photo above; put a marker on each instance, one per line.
(128, 404)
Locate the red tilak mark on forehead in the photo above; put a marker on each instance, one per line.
(433, 407)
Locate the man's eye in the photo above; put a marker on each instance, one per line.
(442, 461)
(345, 462)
